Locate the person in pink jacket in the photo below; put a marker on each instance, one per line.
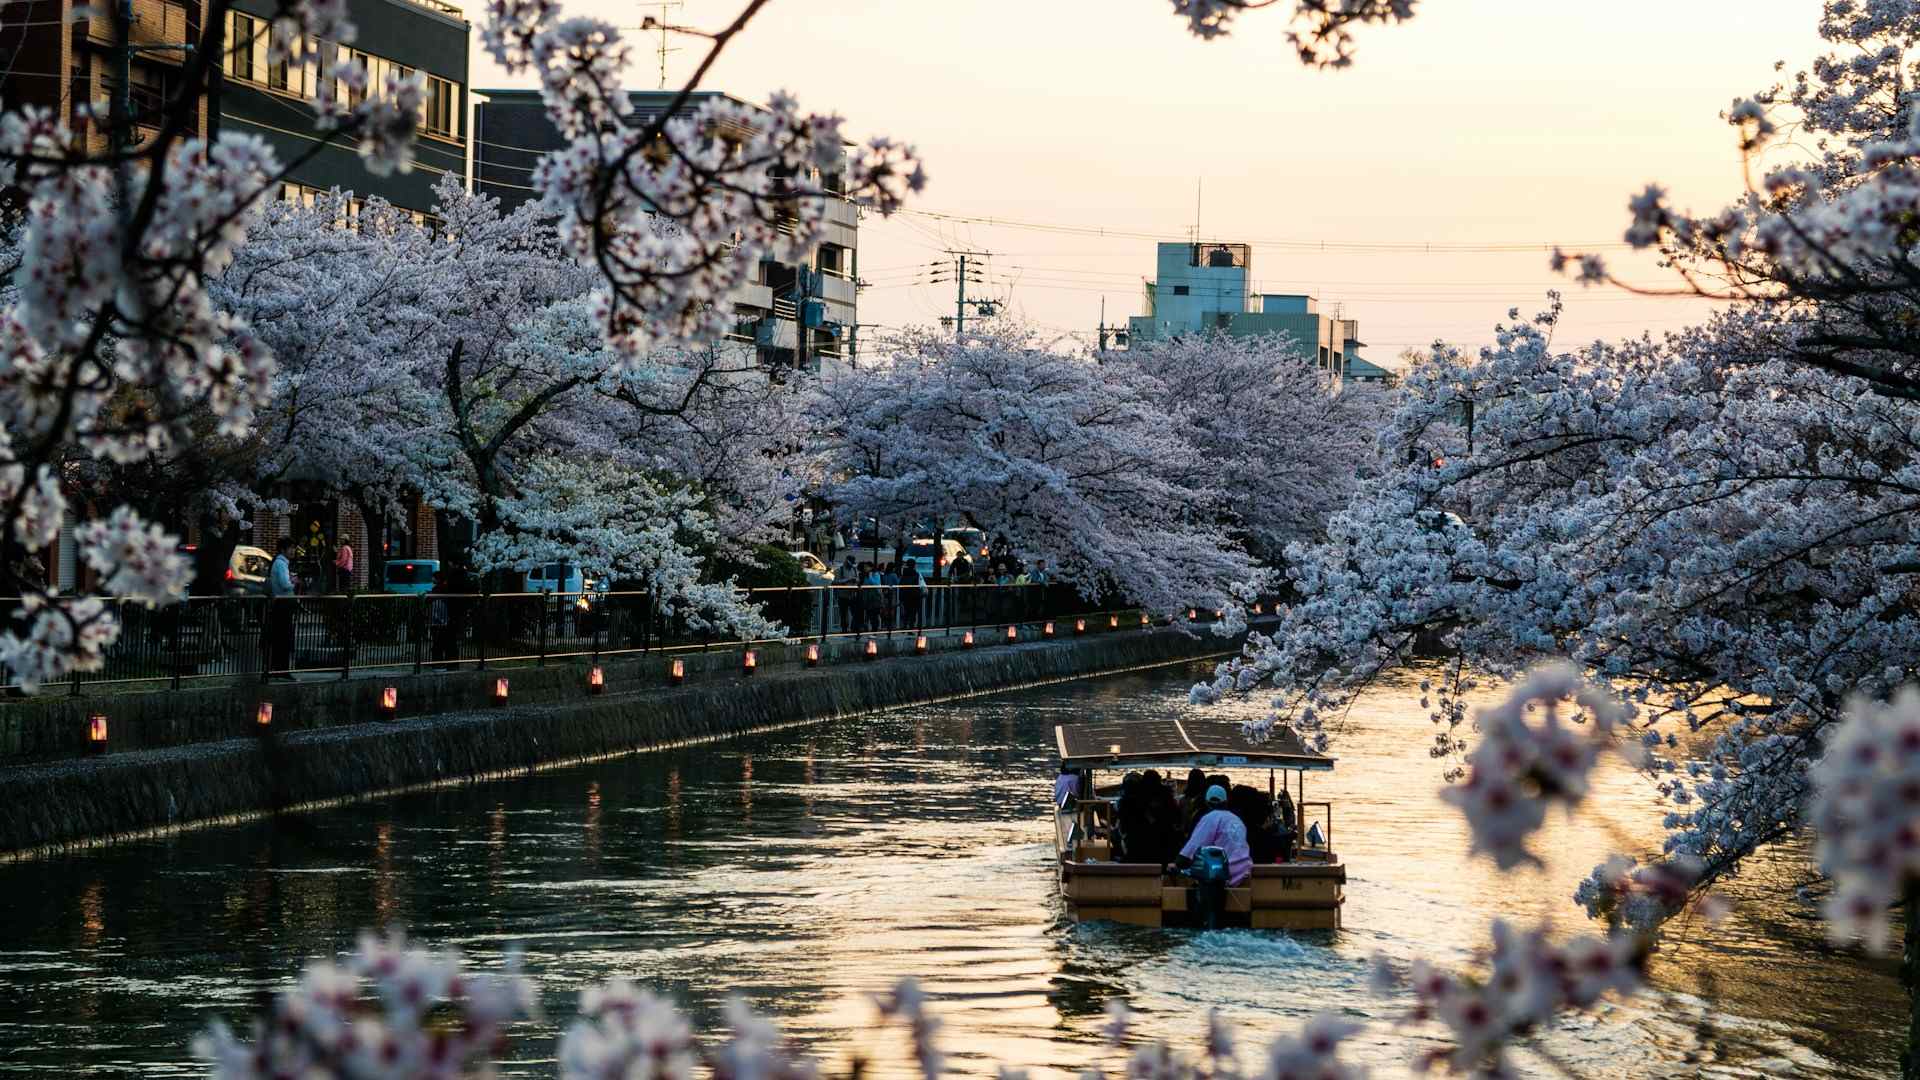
(1221, 828)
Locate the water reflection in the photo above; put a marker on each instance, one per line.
(810, 869)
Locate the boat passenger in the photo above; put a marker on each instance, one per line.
(1220, 828)
(1131, 820)
(1067, 785)
(1193, 801)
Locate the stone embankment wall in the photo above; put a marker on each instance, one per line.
(192, 765)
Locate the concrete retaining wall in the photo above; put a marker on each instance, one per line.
(54, 725)
(48, 805)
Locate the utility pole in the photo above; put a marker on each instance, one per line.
(960, 279)
(802, 293)
(120, 110)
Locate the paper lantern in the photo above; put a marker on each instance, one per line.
(966, 640)
(263, 716)
(749, 662)
(596, 681)
(390, 702)
(677, 672)
(499, 691)
(1113, 622)
(1013, 633)
(97, 733)
(1256, 609)
(873, 649)
(920, 645)
(1144, 621)
(1079, 626)
(813, 656)
(1192, 614)
(1047, 630)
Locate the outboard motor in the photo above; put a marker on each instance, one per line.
(1209, 873)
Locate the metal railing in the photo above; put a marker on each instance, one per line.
(227, 637)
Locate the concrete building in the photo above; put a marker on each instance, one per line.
(403, 36)
(56, 61)
(1206, 287)
(818, 296)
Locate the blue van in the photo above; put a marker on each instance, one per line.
(410, 576)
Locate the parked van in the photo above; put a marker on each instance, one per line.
(556, 578)
(410, 576)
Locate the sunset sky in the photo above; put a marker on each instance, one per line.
(1479, 123)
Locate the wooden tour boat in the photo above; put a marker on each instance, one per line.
(1303, 893)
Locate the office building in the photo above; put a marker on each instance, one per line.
(58, 62)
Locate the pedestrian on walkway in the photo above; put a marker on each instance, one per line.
(890, 594)
(343, 568)
(913, 593)
(280, 614)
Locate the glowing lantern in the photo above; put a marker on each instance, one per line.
(1113, 622)
(499, 691)
(873, 649)
(1079, 626)
(1047, 630)
(1256, 609)
(966, 640)
(1219, 613)
(263, 716)
(1192, 614)
(1013, 633)
(920, 645)
(677, 672)
(813, 656)
(1143, 619)
(390, 702)
(97, 733)
(596, 681)
(749, 662)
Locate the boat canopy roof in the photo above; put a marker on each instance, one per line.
(1182, 744)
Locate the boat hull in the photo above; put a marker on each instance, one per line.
(1284, 896)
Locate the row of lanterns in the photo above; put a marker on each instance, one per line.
(597, 677)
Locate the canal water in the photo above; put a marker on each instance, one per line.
(810, 868)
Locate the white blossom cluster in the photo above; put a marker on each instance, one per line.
(676, 211)
(1866, 814)
(1320, 35)
(387, 1010)
(1519, 767)
(391, 1011)
(1530, 980)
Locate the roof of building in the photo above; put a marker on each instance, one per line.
(1139, 744)
(1361, 369)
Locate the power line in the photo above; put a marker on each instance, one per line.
(1332, 246)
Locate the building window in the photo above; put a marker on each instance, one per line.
(246, 48)
(833, 260)
(440, 109)
(1179, 290)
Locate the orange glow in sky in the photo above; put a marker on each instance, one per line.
(1480, 122)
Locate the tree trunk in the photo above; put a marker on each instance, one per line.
(1910, 979)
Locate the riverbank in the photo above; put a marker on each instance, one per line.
(178, 781)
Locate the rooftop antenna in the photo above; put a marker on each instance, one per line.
(660, 24)
(1199, 184)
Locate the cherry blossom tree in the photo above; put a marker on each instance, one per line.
(1286, 447)
(1071, 460)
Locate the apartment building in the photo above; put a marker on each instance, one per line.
(1204, 287)
(51, 58)
(816, 297)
